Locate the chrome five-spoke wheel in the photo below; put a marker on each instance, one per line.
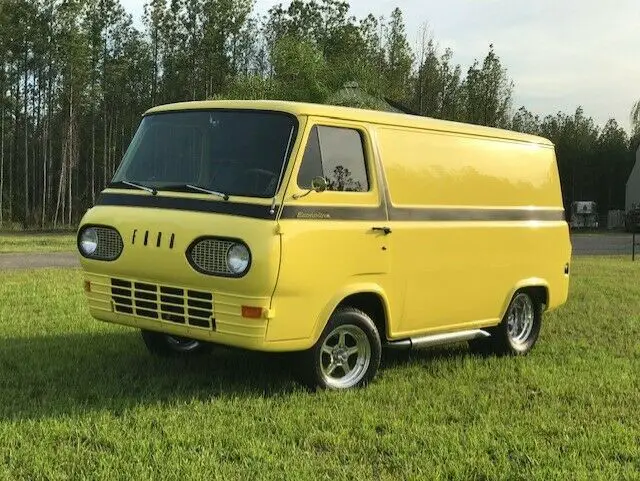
(345, 356)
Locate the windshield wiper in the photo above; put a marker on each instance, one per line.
(207, 191)
(139, 186)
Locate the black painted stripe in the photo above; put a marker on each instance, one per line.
(471, 215)
(377, 213)
(399, 214)
(333, 213)
(242, 209)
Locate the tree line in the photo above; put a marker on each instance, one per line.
(75, 76)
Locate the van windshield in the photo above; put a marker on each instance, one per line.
(239, 153)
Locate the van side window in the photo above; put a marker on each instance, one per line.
(337, 154)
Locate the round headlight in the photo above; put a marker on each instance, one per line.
(89, 241)
(238, 258)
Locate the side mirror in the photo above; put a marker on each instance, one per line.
(319, 184)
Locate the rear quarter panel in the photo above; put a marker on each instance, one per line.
(473, 218)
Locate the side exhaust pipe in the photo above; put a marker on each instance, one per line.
(438, 339)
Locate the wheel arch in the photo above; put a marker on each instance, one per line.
(537, 287)
(369, 298)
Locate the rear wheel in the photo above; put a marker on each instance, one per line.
(169, 345)
(346, 355)
(518, 331)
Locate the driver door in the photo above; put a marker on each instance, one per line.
(332, 241)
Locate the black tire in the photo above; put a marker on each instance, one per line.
(168, 345)
(355, 330)
(505, 340)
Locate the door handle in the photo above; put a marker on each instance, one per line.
(386, 230)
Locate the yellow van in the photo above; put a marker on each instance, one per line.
(335, 232)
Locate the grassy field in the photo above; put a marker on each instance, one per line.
(81, 399)
(37, 242)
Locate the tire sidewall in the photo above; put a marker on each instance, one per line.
(158, 343)
(193, 346)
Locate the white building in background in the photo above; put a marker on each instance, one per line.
(633, 185)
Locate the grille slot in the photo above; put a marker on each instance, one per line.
(210, 255)
(149, 238)
(110, 244)
(170, 304)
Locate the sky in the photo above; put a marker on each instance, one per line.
(559, 53)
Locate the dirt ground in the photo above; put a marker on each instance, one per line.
(39, 260)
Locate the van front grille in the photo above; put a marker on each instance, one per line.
(164, 303)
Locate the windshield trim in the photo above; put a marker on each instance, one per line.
(286, 157)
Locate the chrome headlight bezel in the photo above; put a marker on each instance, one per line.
(233, 243)
(96, 254)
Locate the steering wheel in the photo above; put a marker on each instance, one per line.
(272, 178)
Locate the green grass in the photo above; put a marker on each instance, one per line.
(37, 242)
(80, 399)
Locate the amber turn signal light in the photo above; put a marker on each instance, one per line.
(251, 312)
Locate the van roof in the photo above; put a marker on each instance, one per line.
(357, 114)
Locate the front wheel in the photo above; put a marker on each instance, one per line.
(347, 354)
(169, 345)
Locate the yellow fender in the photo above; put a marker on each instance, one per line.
(524, 283)
(342, 294)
